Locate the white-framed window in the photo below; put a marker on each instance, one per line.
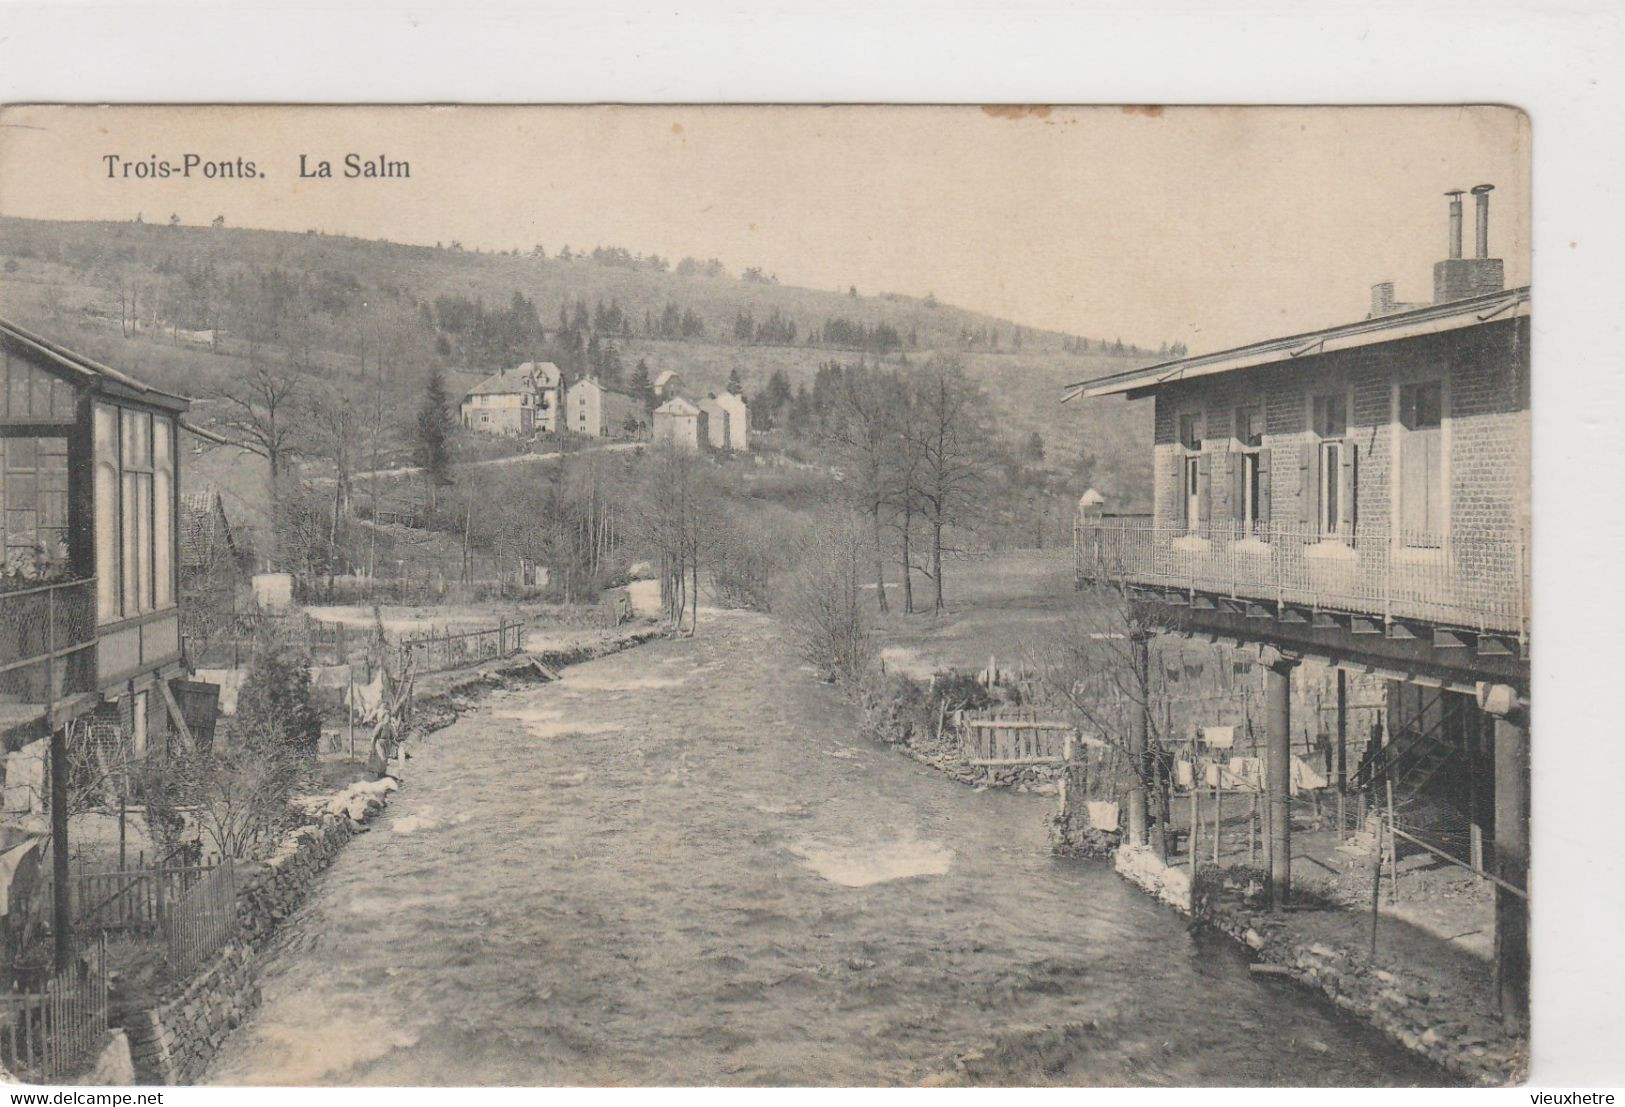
(1250, 491)
(1423, 497)
(134, 457)
(1189, 428)
(1334, 485)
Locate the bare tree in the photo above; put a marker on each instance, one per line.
(1097, 663)
(949, 431)
(261, 413)
(867, 432)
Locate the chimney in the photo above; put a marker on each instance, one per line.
(1382, 299)
(1455, 222)
(1456, 277)
(1482, 194)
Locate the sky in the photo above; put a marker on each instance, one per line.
(1211, 226)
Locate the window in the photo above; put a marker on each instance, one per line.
(1334, 478)
(33, 502)
(1190, 435)
(135, 512)
(1193, 493)
(1422, 503)
(1251, 471)
(1331, 416)
(1250, 425)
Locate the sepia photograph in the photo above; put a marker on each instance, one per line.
(766, 596)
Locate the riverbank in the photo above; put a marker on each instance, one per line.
(1445, 1016)
(173, 1037)
(1448, 1019)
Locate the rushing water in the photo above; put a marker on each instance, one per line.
(677, 866)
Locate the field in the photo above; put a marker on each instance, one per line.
(999, 605)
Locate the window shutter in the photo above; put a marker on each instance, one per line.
(1204, 489)
(1235, 480)
(1349, 511)
(1309, 483)
(1263, 489)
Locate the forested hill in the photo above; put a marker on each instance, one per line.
(184, 306)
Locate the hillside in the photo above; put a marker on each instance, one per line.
(351, 309)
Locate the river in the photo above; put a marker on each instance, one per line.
(680, 865)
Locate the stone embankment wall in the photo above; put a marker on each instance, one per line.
(1449, 1029)
(174, 1041)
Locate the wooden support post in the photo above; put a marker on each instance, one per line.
(1196, 824)
(1511, 860)
(352, 716)
(1139, 728)
(1377, 854)
(1340, 755)
(1252, 829)
(62, 911)
(1393, 850)
(1278, 772)
(1218, 820)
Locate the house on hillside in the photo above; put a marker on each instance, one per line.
(89, 617)
(518, 401)
(738, 412)
(680, 423)
(600, 412)
(1357, 497)
(667, 385)
(716, 421)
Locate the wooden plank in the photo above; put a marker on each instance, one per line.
(175, 715)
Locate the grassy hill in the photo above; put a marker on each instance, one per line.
(358, 308)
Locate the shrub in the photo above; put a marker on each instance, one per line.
(825, 606)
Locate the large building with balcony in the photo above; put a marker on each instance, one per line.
(1358, 497)
(88, 486)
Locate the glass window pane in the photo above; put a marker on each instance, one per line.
(131, 535)
(105, 448)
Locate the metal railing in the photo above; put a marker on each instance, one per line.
(433, 653)
(1478, 583)
(201, 919)
(41, 625)
(52, 1033)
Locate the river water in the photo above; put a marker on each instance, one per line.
(680, 866)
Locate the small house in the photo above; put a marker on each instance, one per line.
(514, 401)
(679, 423)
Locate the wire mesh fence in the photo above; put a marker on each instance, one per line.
(53, 1032)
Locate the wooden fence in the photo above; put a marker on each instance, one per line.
(49, 1034)
(1013, 738)
(128, 900)
(201, 920)
(433, 653)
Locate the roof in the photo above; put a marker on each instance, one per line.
(92, 374)
(1431, 319)
(665, 376)
(203, 523)
(711, 403)
(677, 406)
(513, 382)
(605, 389)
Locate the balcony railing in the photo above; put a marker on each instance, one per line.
(45, 632)
(1474, 583)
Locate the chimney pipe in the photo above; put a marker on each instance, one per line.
(1482, 193)
(1455, 223)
